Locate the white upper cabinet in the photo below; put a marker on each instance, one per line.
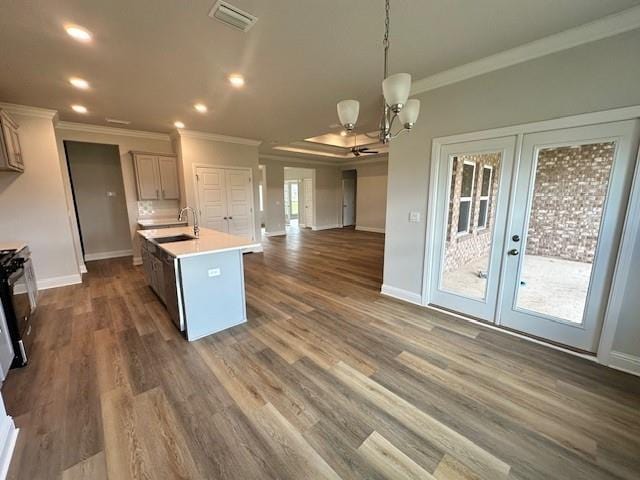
(156, 176)
(10, 151)
(168, 168)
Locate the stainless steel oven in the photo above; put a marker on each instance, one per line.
(18, 295)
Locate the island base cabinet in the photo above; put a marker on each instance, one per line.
(212, 292)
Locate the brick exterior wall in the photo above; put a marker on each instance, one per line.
(570, 189)
(461, 249)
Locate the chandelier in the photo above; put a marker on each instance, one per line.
(396, 102)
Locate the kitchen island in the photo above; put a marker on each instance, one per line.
(200, 280)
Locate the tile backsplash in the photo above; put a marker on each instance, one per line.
(158, 208)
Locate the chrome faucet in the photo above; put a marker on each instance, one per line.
(196, 227)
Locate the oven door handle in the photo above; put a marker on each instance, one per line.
(15, 276)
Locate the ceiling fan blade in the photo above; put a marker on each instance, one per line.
(371, 152)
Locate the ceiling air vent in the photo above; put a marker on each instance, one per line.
(118, 122)
(232, 16)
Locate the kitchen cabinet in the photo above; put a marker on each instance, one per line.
(203, 278)
(156, 176)
(152, 265)
(10, 151)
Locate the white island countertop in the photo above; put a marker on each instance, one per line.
(210, 241)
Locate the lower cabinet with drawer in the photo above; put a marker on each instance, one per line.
(160, 270)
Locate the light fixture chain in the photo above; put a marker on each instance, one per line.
(385, 41)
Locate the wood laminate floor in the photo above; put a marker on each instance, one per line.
(327, 380)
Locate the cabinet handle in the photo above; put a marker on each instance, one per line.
(225, 218)
(230, 218)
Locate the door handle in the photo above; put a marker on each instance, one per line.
(513, 251)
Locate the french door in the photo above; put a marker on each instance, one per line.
(570, 198)
(530, 241)
(471, 211)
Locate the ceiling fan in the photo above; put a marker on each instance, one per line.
(357, 151)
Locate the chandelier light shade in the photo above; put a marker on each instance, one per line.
(409, 114)
(348, 111)
(395, 89)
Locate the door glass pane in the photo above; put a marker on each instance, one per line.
(570, 187)
(468, 246)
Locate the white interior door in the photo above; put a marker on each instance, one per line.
(308, 201)
(348, 201)
(239, 203)
(570, 199)
(472, 195)
(212, 198)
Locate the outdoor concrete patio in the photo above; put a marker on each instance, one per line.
(553, 286)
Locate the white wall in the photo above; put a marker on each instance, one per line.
(371, 196)
(126, 141)
(33, 206)
(592, 77)
(197, 149)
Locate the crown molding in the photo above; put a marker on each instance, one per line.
(100, 129)
(338, 163)
(29, 111)
(309, 161)
(605, 27)
(216, 137)
(376, 159)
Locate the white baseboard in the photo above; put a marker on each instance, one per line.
(137, 261)
(401, 294)
(370, 229)
(104, 255)
(625, 362)
(325, 227)
(55, 282)
(275, 234)
(258, 249)
(83, 268)
(7, 445)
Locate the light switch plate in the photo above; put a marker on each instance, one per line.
(214, 272)
(414, 217)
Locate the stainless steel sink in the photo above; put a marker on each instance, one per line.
(174, 238)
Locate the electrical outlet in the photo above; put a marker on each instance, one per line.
(414, 217)
(214, 272)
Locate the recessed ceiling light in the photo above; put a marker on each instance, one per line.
(236, 80)
(178, 124)
(79, 108)
(79, 33)
(200, 107)
(79, 83)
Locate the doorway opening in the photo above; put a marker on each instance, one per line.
(97, 187)
(298, 198)
(349, 195)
